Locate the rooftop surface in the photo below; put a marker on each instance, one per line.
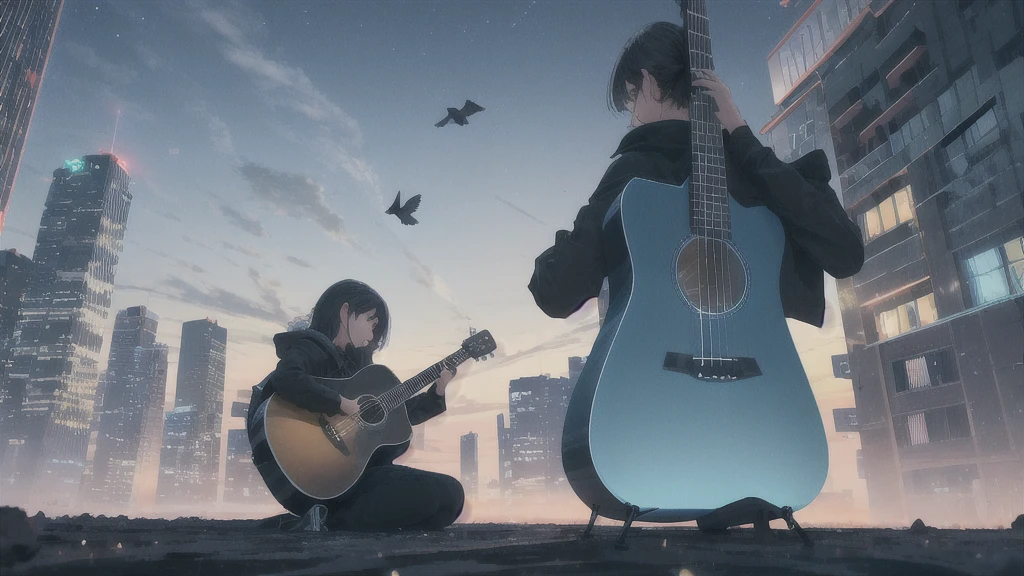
(86, 546)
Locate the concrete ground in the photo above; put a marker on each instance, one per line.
(86, 546)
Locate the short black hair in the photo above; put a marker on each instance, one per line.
(326, 315)
(662, 49)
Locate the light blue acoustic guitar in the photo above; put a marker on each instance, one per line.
(693, 396)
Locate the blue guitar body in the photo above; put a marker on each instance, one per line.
(650, 426)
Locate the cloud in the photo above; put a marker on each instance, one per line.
(148, 57)
(296, 195)
(242, 250)
(215, 298)
(181, 262)
(219, 133)
(242, 221)
(287, 87)
(194, 242)
(109, 72)
(299, 262)
(425, 276)
(576, 335)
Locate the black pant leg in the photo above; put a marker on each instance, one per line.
(393, 497)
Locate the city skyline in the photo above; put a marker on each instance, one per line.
(260, 161)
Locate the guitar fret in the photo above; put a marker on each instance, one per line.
(709, 196)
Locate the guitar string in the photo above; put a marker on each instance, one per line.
(701, 205)
(351, 421)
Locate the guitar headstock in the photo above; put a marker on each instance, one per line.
(479, 345)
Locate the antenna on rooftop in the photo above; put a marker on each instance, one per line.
(114, 139)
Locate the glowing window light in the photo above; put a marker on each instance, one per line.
(74, 165)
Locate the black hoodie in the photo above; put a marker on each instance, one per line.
(307, 353)
(819, 234)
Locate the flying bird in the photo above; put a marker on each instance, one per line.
(404, 213)
(460, 117)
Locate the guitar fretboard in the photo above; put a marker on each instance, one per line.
(399, 394)
(709, 196)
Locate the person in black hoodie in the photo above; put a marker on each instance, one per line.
(349, 322)
(652, 81)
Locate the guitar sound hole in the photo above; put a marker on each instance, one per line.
(711, 275)
(371, 410)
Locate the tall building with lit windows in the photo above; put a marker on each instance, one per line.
(919, 104)
(54, 368)
(27, 28)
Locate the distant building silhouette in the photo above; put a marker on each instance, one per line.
(200, 388)
(136, 376)
(469, 465)
(242, 481)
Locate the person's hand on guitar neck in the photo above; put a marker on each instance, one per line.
(728, 114)
(443, 380)
(349, 406)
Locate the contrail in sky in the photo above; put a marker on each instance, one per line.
(518, 209)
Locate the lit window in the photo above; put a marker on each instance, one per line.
(888, 214)
(905, 317)
(996, 273)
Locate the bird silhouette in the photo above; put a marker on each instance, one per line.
(460, 117)
(404, 213)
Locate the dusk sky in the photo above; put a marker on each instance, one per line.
(265, 139)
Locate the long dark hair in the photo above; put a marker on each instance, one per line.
(326, 315)
(662, 49)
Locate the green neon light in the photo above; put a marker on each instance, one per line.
(74, 165)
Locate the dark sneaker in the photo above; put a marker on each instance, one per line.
(312, 521)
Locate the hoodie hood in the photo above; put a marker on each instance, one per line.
(668, 137)
(351, 357)
(813, 165)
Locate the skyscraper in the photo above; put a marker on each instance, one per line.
(921, 102)
(537, 406)
(201, 366)
(151, 370)
(28, 27)
(15, 270)
(177, 480)
(242, 482)
(61, 328)
(469, 465)
(136, 376)
(504, 457)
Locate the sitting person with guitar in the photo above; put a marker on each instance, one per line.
(348, 323)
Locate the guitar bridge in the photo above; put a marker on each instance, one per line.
(333, 435)
(712, 369)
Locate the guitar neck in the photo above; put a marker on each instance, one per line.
(709, 197)
(399, 394)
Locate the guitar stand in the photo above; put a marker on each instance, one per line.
(620, 544)
(751, 511)
(590, 525)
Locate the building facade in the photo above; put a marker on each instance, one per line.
(200, 386)
(537, 406)
(923, 104)
(242, 481)
(55, 362)
(28, 28)
(124, 407)
(15, 271)
(469, 465)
